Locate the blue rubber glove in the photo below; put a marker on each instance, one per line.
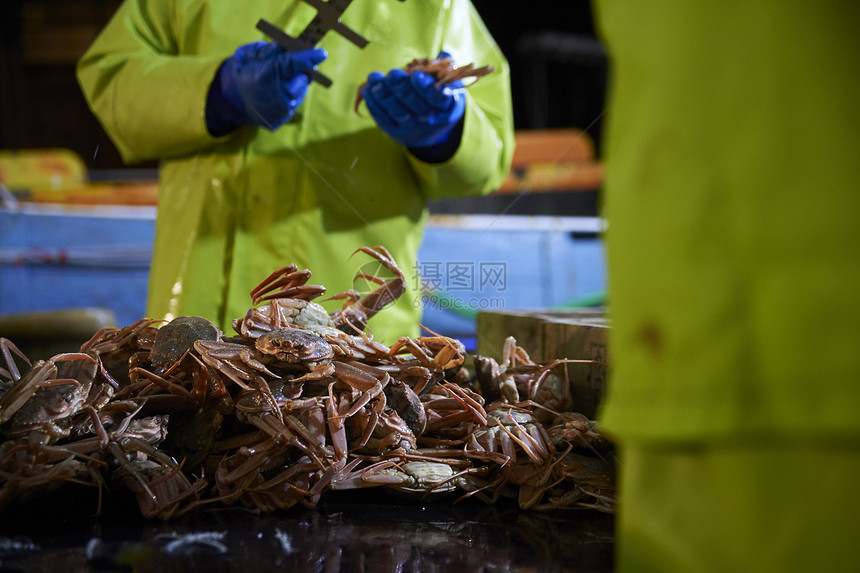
(417, 114)
(260, 84)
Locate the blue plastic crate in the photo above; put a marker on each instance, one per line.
(53, 258)
(481, 262)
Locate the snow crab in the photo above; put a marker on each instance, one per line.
(441, 69)
(291, 302)
(299, 402)
(44, 399)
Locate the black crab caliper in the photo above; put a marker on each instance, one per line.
(327, 18)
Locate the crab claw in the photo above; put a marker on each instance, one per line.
(286, 282)
(353, 317)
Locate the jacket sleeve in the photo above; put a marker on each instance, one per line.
(148, 96)
(484, 157)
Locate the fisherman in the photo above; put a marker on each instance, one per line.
(262, 166)
(732, 245)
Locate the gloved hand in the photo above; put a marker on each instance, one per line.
(260, 84)
(414, 111)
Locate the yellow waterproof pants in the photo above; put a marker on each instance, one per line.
(745, 508)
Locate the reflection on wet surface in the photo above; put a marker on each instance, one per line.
(357, 533)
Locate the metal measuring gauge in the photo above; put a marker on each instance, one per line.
(327, 18)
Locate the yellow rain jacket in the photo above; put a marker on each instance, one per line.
(734, 218)
(233, 209)
(734, 261)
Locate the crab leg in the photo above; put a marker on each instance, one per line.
(7, 349)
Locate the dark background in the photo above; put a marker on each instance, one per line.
(558, 71)
(558, 67)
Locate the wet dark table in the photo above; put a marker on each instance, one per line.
(361, 531)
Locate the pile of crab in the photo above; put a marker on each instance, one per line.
(299, 402)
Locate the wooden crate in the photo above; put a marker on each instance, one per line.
(547, 335)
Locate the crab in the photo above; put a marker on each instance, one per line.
(438, 352)
(281, 313)
(580, 433)
(178, 336)
(117, 348)
(237, 361)
(441, 69)
(518, 377)
(508, 428)
(351, 346)
(160, 486)
(454, 411)
(262, 409)
(45, 398)
(297, 346)
(357, 310)
(300, 401)
(413, 477)
(290, 302)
